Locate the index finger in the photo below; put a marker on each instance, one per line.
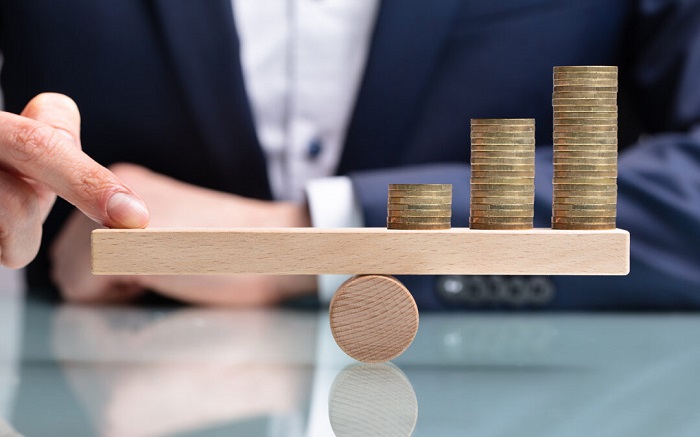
(39, 151)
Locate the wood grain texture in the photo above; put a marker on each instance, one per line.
(359, 251)
(373, 318)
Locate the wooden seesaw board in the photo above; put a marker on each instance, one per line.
(359, 251)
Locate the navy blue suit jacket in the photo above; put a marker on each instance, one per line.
(159, 83)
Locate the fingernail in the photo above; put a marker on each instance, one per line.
(127, 211)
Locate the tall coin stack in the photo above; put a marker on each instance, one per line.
(419, 206)
(502, 173)
(585, 147)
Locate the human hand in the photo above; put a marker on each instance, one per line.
(41, 156)
(174, 204)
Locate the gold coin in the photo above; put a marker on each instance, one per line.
(585, 76)
(418, 227)
(508, 179)
(586, 161)
(580, 139)
(499, 174)
(584, 68)
(419, 207)
(503, 135)
(584, 187)
(604, 137)
(426, 189)
(586, 157)
(594, 131)
(502, 186)
(561, 101)
(419, 194)
(585, 148)
(504, 153)
(419, 203)
(500, 128)
(585, 167)
(584, 123)
(581, 180)
(504, 148)
(608, 207)
(580, 81)
(394, 215)
(421, 220)
(585, 206)
(499, 227)
(425, 212)
(606, 109)
(493, 196)
(575, 174)
(586, 144)
(502, 141)
(579, 88)
(591, 220)
(585, 94)
(487, 166)
(582, 227)
(504, 220)
(504, 167)
(502, 207)
(503, 121)
(522, 160)
(581, 197)
(585, 154)
(585, 116)
(496, 213)
(407, 200)
(488, 198)
(588, 118)
(475, 162)
(584, 213)
(420, 186)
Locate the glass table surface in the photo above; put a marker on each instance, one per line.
(128, 371)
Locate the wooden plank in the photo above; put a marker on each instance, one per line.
(359, 251)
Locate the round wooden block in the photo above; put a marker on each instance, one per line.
(373, 318)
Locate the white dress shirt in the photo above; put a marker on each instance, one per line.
(303, 62)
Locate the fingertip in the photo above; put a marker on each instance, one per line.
(125, 210)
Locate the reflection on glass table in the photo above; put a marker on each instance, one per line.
(127, 371)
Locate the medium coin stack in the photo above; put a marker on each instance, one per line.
(585, 147)
(502, 173)
(419, 206)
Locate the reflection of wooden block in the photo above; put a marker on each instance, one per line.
(373, 318)
(372, 400)
(360, 251)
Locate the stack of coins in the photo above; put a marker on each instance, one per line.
(585, 147)
(502, 173)
(419, 206)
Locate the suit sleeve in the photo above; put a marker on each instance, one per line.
(658, 181)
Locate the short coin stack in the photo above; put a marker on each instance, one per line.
(585, 147)
(419, 206)
(502, 173)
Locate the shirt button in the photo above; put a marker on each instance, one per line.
(315, 149)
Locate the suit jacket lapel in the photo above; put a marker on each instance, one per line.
(201, 40)
(406, 44)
